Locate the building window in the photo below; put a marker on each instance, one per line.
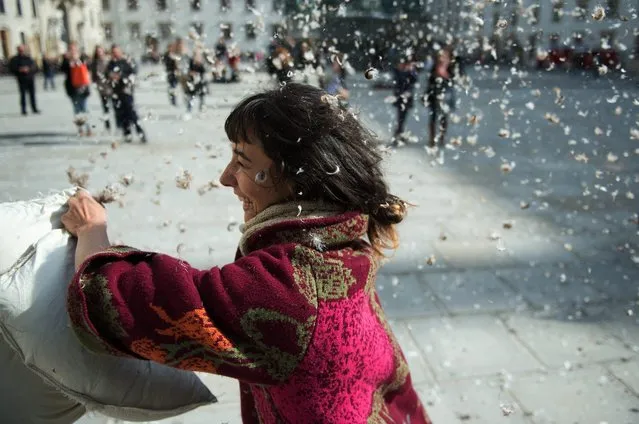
(166, 30)
(23, 38)
(225, 4)
(19, 7)
(278, 30)
(133, 4)
(2, 7)
(495, 17)
(514, 17)
(198, 27)
(196, 5)
(106, 5)
(108, 31)
(581, 11)
(34, 9)
(250, 4)
(134, 30)
(613, 8)
(607, 39)
(293, 6)
(161, 5)
(557, 10)
(227, 30)
(536, 14)
(249, 28)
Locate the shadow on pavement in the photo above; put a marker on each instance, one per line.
(551, 236)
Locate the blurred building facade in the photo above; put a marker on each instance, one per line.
(145, 27)
(47, 26)
(524, 29)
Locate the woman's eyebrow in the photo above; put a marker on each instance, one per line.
(241, 154)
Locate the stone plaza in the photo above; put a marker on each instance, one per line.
(515, 289)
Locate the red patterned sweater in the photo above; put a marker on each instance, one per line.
(296, 319)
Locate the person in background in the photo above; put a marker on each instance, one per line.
(195, 85)
(440, 100)
(306, 61)
(283, 63)
(121, 72)
(23, 67)
(270, 56)
(98, 74)
(49, 68)
(404, 92)
(336, 83)
(172, 67)
(296, 317)
(221, 50)
(77, 86)
(234, 56)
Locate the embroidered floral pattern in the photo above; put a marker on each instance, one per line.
(309, 339)
(196, 363)
(148, 349)
(277, 363)
(303, 274)
(316, 234)
(194, 326)
(90, 297)
(97, 293)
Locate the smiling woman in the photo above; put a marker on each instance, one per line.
(296, 317)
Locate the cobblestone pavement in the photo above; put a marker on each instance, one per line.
(515, 288)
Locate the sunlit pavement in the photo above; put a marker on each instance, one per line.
(514, 291)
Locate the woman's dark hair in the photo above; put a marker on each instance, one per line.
(323, 151)
(95, 53)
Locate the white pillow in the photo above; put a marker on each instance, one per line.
(34, 322)
(26, 398)
(24, 223)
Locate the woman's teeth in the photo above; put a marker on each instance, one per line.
(246, 203)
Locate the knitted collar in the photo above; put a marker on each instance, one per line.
(313, 224)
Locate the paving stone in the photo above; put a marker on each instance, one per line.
(419, 371)
(212, 414)
(589, 395)
(467, 197)
(402, 263)
(628, 372)
(547, 287)
(466, 346)
(225, 389)
(536, 249)
(483, 227)
(473, 254)
(404, 295)
(622, 321)
(471, 401)
(616, 283)
(566, 344)
(472, 291)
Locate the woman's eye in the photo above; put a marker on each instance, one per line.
(240, 164)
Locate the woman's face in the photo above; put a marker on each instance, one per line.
(444, 57)
(252, 176)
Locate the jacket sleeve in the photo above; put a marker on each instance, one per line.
(251, 320)
(65, 67)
